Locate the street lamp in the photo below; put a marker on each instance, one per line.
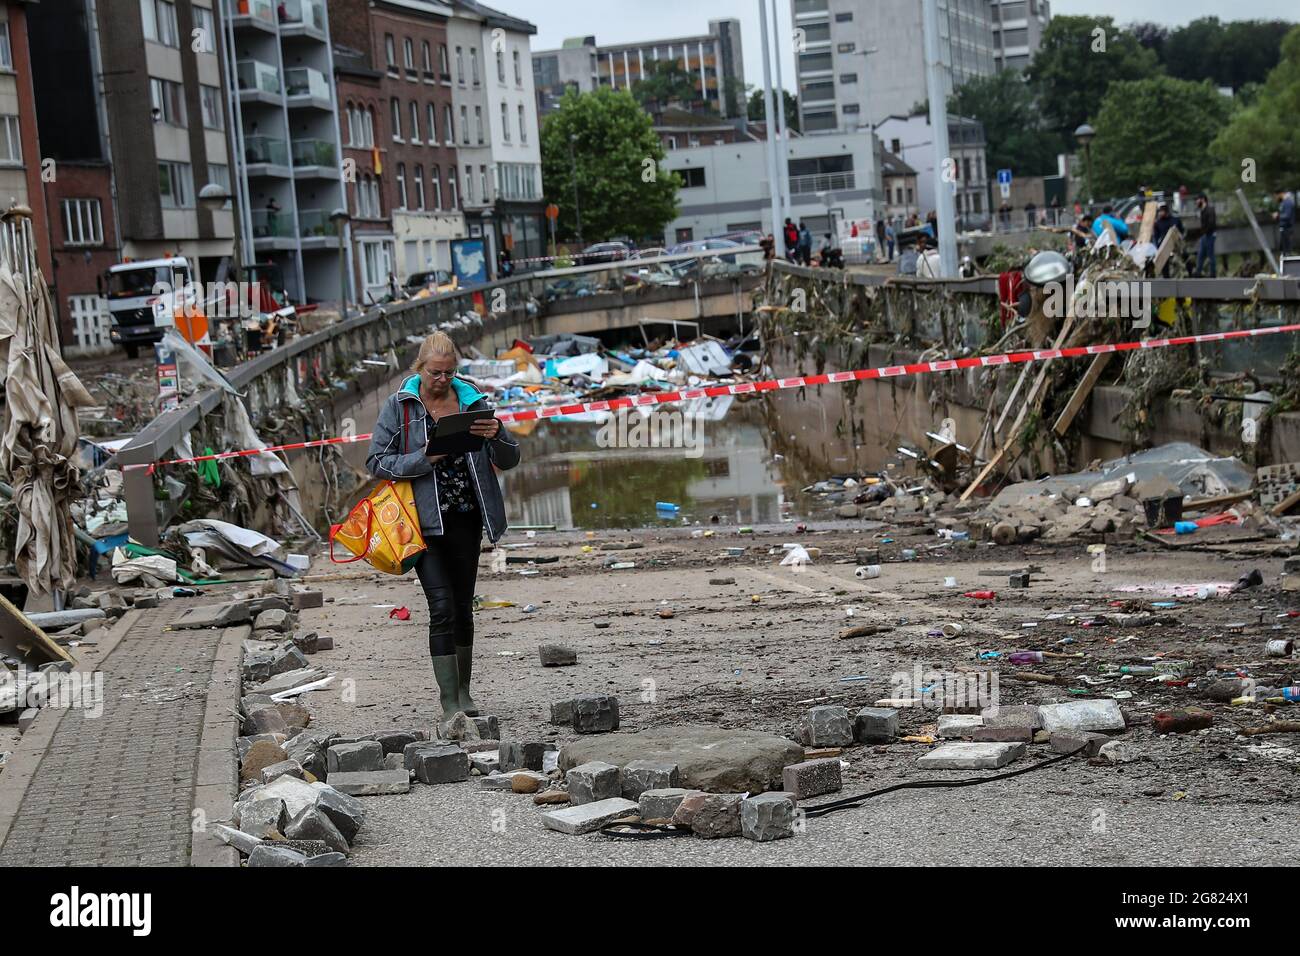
(1084, 134)
(573, 168)
(339, 217)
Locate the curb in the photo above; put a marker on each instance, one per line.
(216, 775)
(31, 749)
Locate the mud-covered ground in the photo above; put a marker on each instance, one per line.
(756, 653)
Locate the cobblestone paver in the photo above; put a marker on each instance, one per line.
(118, 789)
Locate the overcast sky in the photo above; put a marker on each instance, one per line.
(624, 21)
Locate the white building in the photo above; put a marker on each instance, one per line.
(908, 138)
(833, 178)
(1018, 27)
(500, 154)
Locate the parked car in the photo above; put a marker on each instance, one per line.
(745, 237)
(437, 281)
(603, 252)
(697, 246)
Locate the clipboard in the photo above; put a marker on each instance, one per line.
(451, 435)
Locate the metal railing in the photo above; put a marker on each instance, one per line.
(821, 182)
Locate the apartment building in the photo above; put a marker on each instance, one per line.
(909, 138)
(285, 136)
(20, 152)
(499, 142)
(1018, 27)
(406, 122)
(857, 64)
(715, 60)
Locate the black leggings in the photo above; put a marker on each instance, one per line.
(448, 570)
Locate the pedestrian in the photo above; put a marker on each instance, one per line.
(1209, 227)
(882, 236)
(272, 217)
(805, 244)
(910, 256)
(1165, 223)
(505, 264)
(1285, 217)
(457, 498)
(790, 234)
(1031, 215)
(1116, 223)
(768, 245)
(891, 238)
(932, 224)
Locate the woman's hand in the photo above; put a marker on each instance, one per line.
(486, 428)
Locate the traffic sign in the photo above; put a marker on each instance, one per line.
(1004, 177)
(552, 212)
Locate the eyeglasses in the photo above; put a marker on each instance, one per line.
(433, 373)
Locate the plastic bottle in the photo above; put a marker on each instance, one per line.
(1185, 527)
(1026, 657)
(981, 595)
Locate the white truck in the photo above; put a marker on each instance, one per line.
(133, 289)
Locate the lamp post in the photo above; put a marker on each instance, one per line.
(339, 217)
(573, 169)
(1084, 134)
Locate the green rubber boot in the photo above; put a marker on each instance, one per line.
(446, 671)
(465, 666)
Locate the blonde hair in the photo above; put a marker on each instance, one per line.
(437, 345)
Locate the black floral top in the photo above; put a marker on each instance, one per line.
(455, 486)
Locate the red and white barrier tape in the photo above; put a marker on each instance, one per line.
(527, 413)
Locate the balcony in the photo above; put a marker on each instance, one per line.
(258, 81)
(316, 153)
(315, 224)
(821, 182)
(265, 151)
(307, 87)
(255, 13)
(272, 225)
(308, 15)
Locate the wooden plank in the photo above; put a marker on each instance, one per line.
(1287, 503)
(1148, 227)
(1086, 385)
(1218, 501)
(1172, 237)
(21, 638)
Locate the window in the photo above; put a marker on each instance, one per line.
(435, 180)
(505, 122)
(501, 66)
(82, 222)
(813, 62)
(852, 108)
(210, 97)
(415, 122)
(219, 173)
(478, 120)
(848, 77)
(843, 17)
(159, 18)
(426, 56)
(408, 53)
(419, 186)
(168, 101)
(452, 186)
(469, 184)
(390, 51)
(691, 178)
(401, 185)
(433, 125)
(523, 125)
(483, 184)
(443, 68)
(369, 122)
(91, 320)
(397, 120)
(6, 52)
(176, 185)
(205, 30)
(464, 125)
(460, 66)
(473, 64)
(519, 71)
(450, 123)
(845, 47)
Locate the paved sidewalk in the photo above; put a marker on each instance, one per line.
(119, 788)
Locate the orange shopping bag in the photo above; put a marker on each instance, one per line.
(383, 529)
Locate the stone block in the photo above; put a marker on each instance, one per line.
(362, 756)
(971, 756)
(312, 824)
(1095, 715)
(344, 811)
(306, 641)
(642, 775)
(213, 615)
(488, 726)
(288, 659)
(1012, 715)
(274, 619)
(263, 819)
(290, 767)
(445, 764)
(555, 655)
(589, 816)
(595, 714)
(307, 599)
(662, 804)
(593, 782)
(1009, 733)
(1068, 741)
(767, 816)
(506, 780)
(826, 727)
(268, 855)
(485, 761)
(688, 807)
(395, 741)
(562, 713)
(371, 783)
(955, 726)
(875, 725)
(263, 754)
(244, 842)
(718, 815)
(523, 755)
(812, 778)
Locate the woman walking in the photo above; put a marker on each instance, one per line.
(457, 498)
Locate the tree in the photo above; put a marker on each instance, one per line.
(758, 111)
(1149, 133)
(1229, 54)
(1080, 57)
(607, 143)
(1260, 146)
(1016, 140)
(666, 81)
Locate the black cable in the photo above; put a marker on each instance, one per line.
(852, 803)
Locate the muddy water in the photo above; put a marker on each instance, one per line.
(741, 468)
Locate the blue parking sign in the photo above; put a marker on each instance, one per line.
(1004, 177)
